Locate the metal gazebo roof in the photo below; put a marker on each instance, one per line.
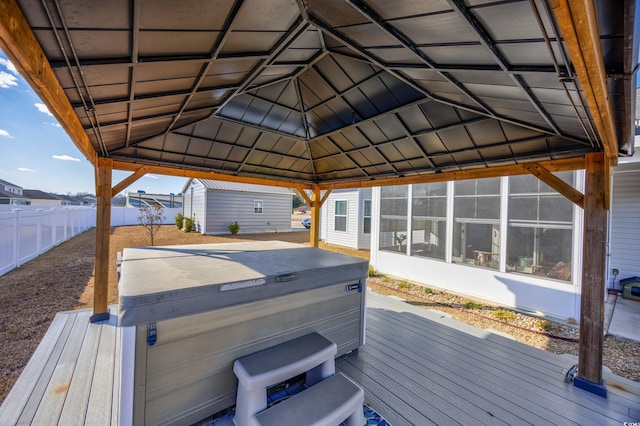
(335, 91)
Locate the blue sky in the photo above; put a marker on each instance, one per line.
(36, 153)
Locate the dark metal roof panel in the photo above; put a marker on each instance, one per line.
(329, 90)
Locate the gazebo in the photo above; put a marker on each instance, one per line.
(320, 95)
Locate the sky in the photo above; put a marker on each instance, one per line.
(36, 152)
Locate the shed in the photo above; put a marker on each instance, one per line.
(214, 205)
(345, 218)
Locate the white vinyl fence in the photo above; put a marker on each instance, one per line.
(28, 231)
(123, 216)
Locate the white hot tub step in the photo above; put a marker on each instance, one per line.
(328, 403)
(312, 354)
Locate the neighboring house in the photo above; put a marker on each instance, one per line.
(41, 198)
(68, 200)
(141, 199)
(345, 218)
(512, 241)
(214, 205)
(11, 194)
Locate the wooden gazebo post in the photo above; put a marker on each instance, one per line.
(103, 170)
(593, 275)
(314, 236)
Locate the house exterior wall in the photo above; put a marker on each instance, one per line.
(353, 236)
(194, 206)
(624, 232)
(36, 202)
(225, 207)
(503, 282)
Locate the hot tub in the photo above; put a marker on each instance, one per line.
(187, 312)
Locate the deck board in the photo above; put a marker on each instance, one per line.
(417, 367)
(59, 383)
(448, 371)
(68, 379)
(504, 357)
(22, 391)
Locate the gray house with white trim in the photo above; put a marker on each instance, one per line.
(345, 218)
(214, 205)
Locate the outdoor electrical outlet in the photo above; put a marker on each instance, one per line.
(616, 272)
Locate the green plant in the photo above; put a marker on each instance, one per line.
(543, 325)
(179, 218)
(372, 271)
(151, 220)
(400, 238)
(470, 304)
(504, 315)
(234, 228)
(404, 285)
(427, 290)
(386, 280)
(188, 224)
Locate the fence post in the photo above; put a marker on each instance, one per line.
(16, 238)
(66, 233)
(39, 232)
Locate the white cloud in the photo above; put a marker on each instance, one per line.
(24, 169)
(152, 176)
(43, 108)
(7, 80)
(65, 157)
(8, 65)
(5, 134)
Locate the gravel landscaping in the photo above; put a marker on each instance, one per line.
(62, 279)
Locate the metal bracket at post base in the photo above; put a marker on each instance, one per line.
(104, 316)
(597, 388)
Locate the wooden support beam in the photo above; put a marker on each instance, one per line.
(579, 25)
(314, 235)
(129, 180)
(593, 277)
(196, 174)
(303, 194)
(556, 183)
(324, 197)
(103, 171)
(19, 43)
(566, 164)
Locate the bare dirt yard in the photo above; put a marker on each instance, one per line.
(62, 279)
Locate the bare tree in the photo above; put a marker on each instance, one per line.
(151, 219)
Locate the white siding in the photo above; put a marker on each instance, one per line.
(225, 207)
(353, 236)
(194, 205)
(364, 240)
(625, 224)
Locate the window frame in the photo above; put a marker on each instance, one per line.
(258, 206)
(366, 218)
(336, 215)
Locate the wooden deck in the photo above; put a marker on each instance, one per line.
(72, 377)
(419, 367)
(416, 368)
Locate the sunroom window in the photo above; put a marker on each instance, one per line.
(429, 220)
(476, 227)
(539, 240)
(393, 218)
